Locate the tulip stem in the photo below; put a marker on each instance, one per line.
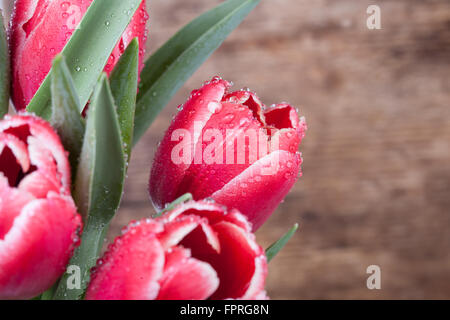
(85, 257)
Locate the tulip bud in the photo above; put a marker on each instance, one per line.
(39, 224)
(40, 30)
(196, 251)
(231, 148)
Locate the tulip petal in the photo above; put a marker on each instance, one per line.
(290, 130)
(18, 148)
(131, 268)
(255, 289)
(202, 241)
(42, 158)
(49, 155)
(38, 184)
(238, 136)
(190, 229)
(251, 101)
(12, 202)
(13, 157)
(45, 29)
(234, 216)
(258, 190)
(31, 257)
(239, 251)
(214, 213)
(186, 278)
(136, 29)
(282, 116)
(23, 12)
(167, 172)
(239, 127)
(213, 209)
(176, 230)
(210, 210)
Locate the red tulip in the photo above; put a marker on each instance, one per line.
(39, 223)
(196, 251)
(39, 31)
(229, 147)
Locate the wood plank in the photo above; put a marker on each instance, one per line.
(376, 178)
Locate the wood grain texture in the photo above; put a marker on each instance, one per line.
(376, 183)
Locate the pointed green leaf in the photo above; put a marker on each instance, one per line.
(124, 81)
(273, 250)
(184, 198)
(4, 70)
(89, 48)
(98, 185)
(66, 109)
(166, 71)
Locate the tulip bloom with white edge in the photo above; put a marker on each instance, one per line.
(197, 251)
(39, 223)
(229, 147)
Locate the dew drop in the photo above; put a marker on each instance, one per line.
(65, 5)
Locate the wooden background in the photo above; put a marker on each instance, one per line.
(376, 178)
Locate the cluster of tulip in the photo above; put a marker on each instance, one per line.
(237, 158)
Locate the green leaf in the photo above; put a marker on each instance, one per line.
(184, 198)
(124, 81)
(89, 48)
(273, 250)
(66, 109)
(98, 185)
(166, 71)
(47, 295)
(4, 70)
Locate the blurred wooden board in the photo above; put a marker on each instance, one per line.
(376, 184)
